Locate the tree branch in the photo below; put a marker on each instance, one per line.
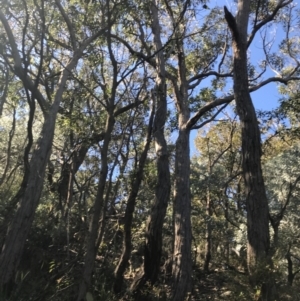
(69, 25)
(230, 19)
(225, 100)
(268, 19)
(196, 127)
(19, 70)
(203, 75)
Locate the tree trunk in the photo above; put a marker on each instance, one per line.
(19, 228)
(91, 246)
(208, 233)
(182, 259)
(257, 204)
(291, 275)
(153, 242)
(123, 262)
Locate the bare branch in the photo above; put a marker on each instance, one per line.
(127, 107)
(196, 127)
(138, 54)
(9, 146)
(203, 75)
(221, 101)
(12, 42)
(225, 100)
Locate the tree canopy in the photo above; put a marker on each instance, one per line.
(100, 196)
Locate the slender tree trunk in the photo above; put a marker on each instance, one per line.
(291, 275)
(227, 243)
(153, 242)
(29, 199)
(123, 262)
(208, 233)
(19, 228)
(91, 247)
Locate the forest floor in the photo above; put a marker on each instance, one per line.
(227, 283)
(222, 283)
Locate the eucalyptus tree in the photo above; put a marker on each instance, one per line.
(27, 52)
(282, 185)
(193, 51)
(123, 87)
(130, 206)
(153, 235)
(257, 203)
(216, 172)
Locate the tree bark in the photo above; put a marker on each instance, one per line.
(208, 233)
(153, 242)
(22, 221)
(182, 259)
(257, 204)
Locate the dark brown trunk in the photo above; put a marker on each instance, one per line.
(291, 275)
(257, 204)
(153, 243)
